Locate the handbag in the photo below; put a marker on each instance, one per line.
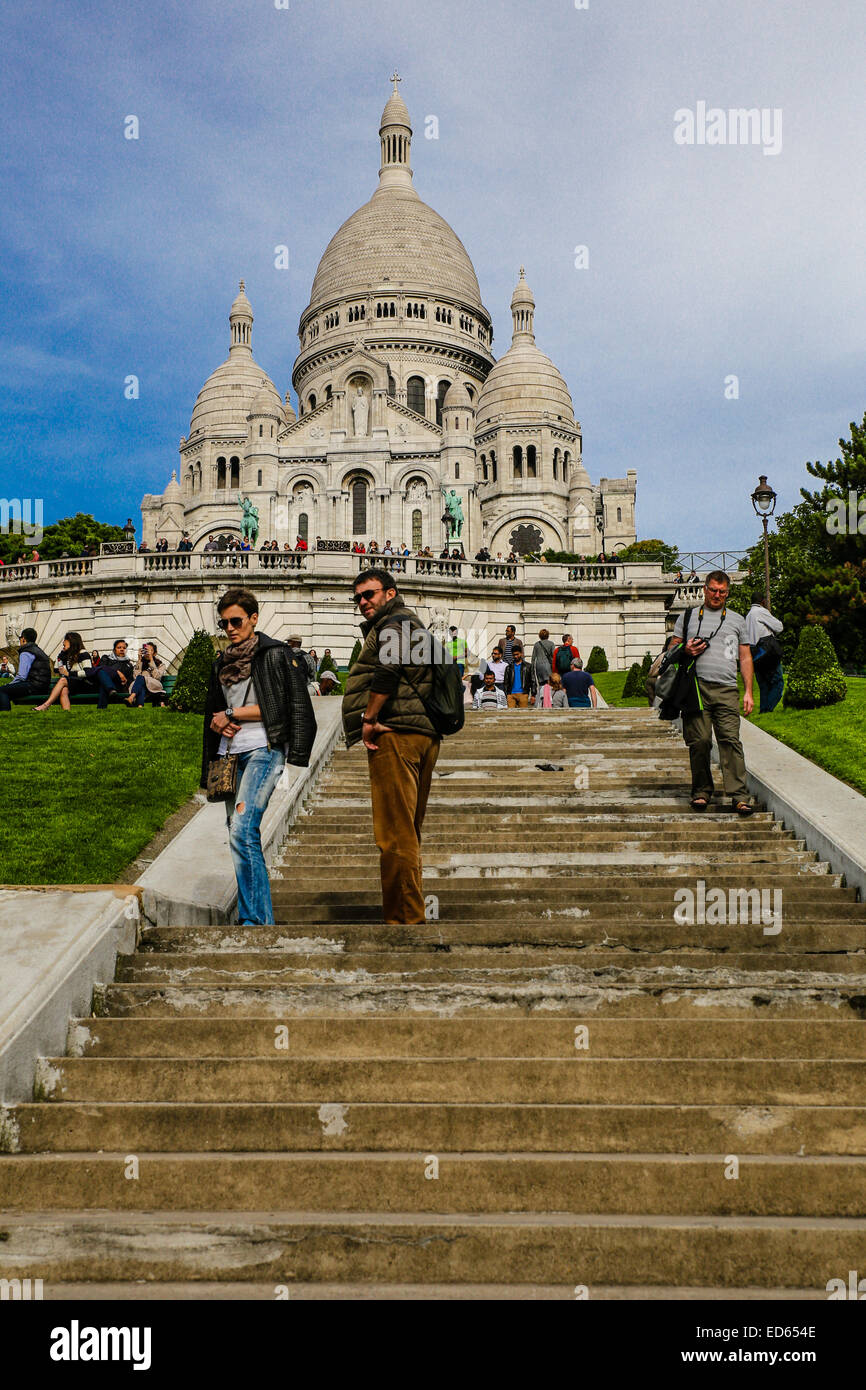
(662, 675)
(222, 772)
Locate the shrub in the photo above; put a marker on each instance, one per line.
(190, 688)
(644, 667)
(356, 652)
(633, 682)
(814, 676)
(597, 660)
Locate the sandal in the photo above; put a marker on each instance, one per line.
(743, 808)
(699, 803)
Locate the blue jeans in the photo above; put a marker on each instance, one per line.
(140, 691)
(579, 702)
(258, 773)
(107, 684)
(771, 684)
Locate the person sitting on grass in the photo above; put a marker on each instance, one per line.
(73, 668)
(147, 678)
(7, 670)
(114, 675)
(34, 672)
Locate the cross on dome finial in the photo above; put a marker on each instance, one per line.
(522, 273)
(395, 78)
(242, 286)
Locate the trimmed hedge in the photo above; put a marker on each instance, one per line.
(633, 681)
(190, 689)
(814, 677)
(597, 661)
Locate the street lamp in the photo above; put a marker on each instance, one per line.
(129, 530)
(764, 503)
(599, 522)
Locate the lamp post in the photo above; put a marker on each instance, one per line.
(129, 530)
(599, 522)
(764, 503)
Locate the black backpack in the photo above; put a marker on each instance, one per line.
(563, 660)
(444, 705)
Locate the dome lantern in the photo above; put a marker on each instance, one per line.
(523, 310)
(241, 323)
(395, 136)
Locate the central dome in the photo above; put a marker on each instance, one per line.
(395, 240)
(397, 237)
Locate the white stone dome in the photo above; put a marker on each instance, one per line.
(225, 399)
(172, 492)
(267, 401)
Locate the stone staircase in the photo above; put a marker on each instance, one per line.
(553, 1084)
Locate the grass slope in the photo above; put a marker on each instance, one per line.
(83, 792)
(834, 737)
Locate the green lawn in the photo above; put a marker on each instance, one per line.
(83, 792)
(610, 684)
(834, 737)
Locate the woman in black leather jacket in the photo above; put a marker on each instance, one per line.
(258, 707)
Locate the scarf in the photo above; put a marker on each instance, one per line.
(236, 661)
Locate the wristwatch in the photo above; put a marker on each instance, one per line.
(230, 714)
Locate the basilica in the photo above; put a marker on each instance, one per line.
(400, 402)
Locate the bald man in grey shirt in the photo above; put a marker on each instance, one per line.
(716, 638)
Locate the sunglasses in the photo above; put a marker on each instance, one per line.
(225, 623)
(365, 595)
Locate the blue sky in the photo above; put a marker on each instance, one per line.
(258, 127)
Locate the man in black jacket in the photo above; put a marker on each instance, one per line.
(113, 675)
(34, 672)
(258, 707)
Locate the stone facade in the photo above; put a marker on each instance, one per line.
(399, 396)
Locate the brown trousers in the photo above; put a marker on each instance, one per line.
(721, 712)
(518, 701)
(401, 771)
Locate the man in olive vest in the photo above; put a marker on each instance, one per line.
(383, 707)
(34, 672)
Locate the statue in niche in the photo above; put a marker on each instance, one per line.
(360, 413)
(452, 517)
(249, 520)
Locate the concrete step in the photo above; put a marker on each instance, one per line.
(576, 1079)
(439, 966)
(761, 1038)
(281, 1127)
(672, 992)
(610, 1184)
(706, 1252)
(407, 1293)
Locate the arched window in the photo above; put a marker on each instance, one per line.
(359, 507)
(312, 405)
(392, 387)
(469, 390)
(531, 471)
(619, 513)
(260, 477)
(441, 392)
(517, 458)
(417, 529)
(261, 430)
(457, 470)
(484, 467)
(221, 472)
(304, 526)
(556, 465)
(493, 464)
(328, 393)
(566, 456)
(235, 475)
(415, 394)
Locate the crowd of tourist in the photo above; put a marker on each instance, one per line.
(551, 678)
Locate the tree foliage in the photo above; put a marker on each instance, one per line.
(190, 689)
(597, 660)
(72, 534)
(814, 677)
(648, 551)
(818, 557)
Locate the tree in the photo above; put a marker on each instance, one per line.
(814, 677)
(633, 681)
(356, 652)
(71, 533)
(190, 689)
(647, 551)
(597, 661)
(818, 557)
